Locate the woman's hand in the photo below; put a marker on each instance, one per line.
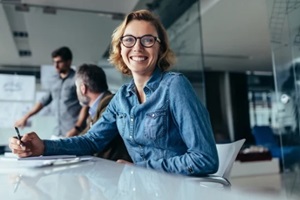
(124, 162)
(30, 145)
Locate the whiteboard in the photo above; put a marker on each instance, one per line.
(12, 111)
(17, 87)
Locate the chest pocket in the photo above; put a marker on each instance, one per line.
(155, 124)
(69, 91)
(121, 120)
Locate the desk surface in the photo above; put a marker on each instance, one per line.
(103, 179)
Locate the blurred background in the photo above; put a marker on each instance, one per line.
(241, 56)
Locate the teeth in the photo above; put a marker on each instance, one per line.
(138, 58)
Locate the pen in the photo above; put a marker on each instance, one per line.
(19, 136)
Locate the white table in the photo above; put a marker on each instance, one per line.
(103, 179)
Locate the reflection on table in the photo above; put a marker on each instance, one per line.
(103, 179)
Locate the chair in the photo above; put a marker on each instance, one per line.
(227, 154)
(288, 155)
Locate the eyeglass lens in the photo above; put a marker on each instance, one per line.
(145, 41)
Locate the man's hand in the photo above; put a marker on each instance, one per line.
(21, 122)
(72, 132)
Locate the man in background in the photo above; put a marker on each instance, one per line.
(92, 91)
(70, 116)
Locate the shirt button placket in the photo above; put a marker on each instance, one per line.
(131, 128)
(142, 154)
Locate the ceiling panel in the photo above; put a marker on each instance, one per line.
(123, 6)
(235, 32)
(8, 50)
(87, 34)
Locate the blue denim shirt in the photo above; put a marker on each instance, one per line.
(169, 132)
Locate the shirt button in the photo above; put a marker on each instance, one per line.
(153, 115)
(130, 136)
(190, 170)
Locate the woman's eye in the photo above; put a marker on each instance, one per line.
(148, 40)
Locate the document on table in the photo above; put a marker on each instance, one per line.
(11, 156)
(41, 161)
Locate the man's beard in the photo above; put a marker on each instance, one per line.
(62, 71)
(83, 100)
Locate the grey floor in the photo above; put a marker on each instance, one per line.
(284, 185)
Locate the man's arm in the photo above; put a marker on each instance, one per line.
(79, 126)
(22, 122)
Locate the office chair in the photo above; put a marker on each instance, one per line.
(227, 154)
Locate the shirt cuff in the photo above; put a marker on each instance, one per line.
(141, 164)
(49, 147)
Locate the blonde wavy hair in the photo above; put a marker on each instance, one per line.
(166, 57)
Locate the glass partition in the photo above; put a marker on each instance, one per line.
(189, 51)
(284, 27)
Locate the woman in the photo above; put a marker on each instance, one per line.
(163, 124)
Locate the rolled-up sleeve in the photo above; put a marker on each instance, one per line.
(46, 99)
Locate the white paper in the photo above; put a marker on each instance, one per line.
(9, 156)
(40, 161)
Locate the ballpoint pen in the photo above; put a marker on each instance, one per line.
(19, 136)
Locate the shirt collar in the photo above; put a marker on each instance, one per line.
(71, 72)
(94, 106)
(152, 83)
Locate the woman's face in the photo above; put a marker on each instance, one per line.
(139, 59)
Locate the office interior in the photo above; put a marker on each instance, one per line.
(242, 58)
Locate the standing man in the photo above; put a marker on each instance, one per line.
(92, 91)
(69, 114)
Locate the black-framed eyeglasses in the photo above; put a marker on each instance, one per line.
(146, 40)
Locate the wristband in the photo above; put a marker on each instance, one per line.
(78, 128)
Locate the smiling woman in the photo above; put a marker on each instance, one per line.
(158, 115)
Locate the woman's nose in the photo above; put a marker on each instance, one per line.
(137, 45)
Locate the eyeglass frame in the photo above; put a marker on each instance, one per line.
(156, 39)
